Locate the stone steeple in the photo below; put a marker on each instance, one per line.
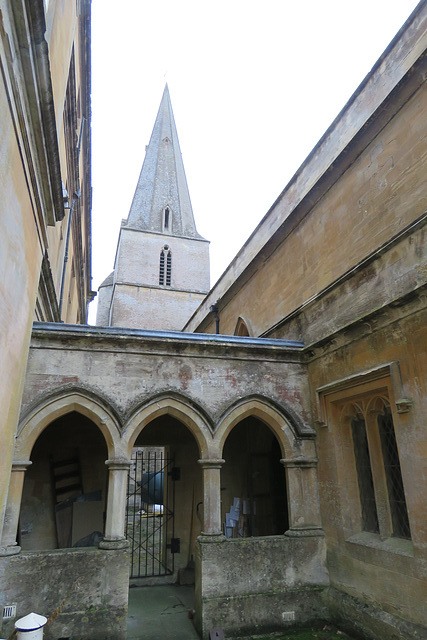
(162, 184)
(161, 271)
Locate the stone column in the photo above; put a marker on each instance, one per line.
(9, 546)
(303, 496)
(116, 505)
(212, 496)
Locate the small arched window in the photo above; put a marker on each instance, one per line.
(167, 220)
(165, 268)
(241, 328)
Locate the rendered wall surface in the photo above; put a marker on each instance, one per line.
(20, 259)
(125, 371)
(32, 160)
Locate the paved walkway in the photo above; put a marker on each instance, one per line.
(161, 613)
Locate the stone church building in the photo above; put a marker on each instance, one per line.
(264, 439)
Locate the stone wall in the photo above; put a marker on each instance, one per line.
(89, 586)
(360, 562)
(151, 308)
(138, 299)
(259, 584)
(138, 259)
(124, 369)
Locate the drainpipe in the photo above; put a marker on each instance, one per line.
(76, 196)
(214, 309)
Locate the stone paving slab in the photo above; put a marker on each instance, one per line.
(161, 613)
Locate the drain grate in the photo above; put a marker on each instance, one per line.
(288, 616)
(9, 611)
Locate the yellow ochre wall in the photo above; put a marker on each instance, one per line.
(28, 230)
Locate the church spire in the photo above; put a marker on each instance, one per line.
(161, 203)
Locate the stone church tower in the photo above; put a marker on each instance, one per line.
(161, 271)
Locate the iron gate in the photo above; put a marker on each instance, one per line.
(150, 513)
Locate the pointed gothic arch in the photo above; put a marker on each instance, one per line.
(176, 406)
(298, 453)
(284, 425)
(242, 327)
(59, 405)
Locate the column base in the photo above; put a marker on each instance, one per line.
(211, 537)
(112, 545)
(11, 550)
(305, 532)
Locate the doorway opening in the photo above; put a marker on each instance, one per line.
(164, 501)
(150, 509)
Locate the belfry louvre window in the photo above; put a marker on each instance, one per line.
(165, 267)
(168, 268)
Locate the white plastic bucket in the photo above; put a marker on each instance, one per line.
(30, 627)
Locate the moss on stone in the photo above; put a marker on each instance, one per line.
(324, 633)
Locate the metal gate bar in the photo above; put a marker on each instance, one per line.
(149, 513)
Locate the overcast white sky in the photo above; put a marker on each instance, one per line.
(253, 84)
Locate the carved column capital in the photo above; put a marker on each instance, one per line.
(211, 463)
(304, 463)
(21, 465)
(118, 464)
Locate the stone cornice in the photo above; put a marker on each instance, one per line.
(85, 337)
(415, 226)
(156, 286)
(378, 319)
(165, 236)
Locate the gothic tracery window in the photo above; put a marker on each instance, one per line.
(383, 507)
(365, 415)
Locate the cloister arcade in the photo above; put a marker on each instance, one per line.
(232, 414)
(90, 426)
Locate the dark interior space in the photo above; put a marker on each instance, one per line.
(64, 495)
(253, 482)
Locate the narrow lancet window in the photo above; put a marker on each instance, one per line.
(167, 220)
